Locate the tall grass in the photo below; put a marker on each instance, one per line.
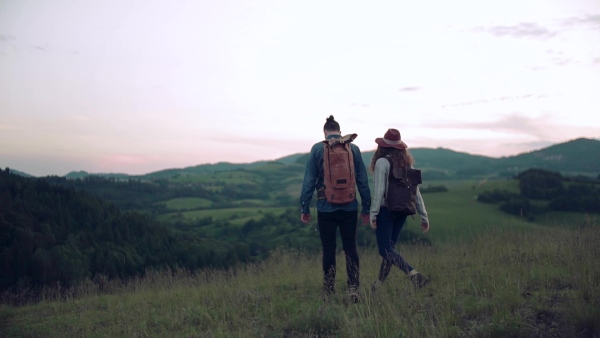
(503, 282)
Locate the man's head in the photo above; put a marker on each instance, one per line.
(331, 127)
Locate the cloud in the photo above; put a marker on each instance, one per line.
(540, 127)
(517, 124)
(562, 61)
(496, 99)
(5, 42)
(593, 19)
(558, 58)
(409, 89)
(39, 48)
(521, 30)
(6, 38)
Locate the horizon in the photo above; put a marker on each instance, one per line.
(138, 86)
(268, 160)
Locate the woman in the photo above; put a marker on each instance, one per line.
(387, 223)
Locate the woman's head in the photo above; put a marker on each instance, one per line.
(392, 146)
(391, 139)
(400, 157)
(331, 125)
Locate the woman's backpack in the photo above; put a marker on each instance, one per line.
(402, 191)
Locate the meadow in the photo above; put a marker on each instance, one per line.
(492, 275)
(542, 282)
(231, 177)
(184, 203)
(454, 214)
(235, 215)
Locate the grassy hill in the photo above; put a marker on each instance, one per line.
(578, 156)
(505, 282)
(493, 274)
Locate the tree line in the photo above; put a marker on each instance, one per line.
(561, 194)
(50, 234)
(146, 195)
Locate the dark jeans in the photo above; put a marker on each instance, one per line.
(328, 224)
(388, 230)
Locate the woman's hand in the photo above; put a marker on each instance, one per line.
(425, 227)
(374, 224)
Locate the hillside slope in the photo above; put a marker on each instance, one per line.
(580, 155)
(51, 234)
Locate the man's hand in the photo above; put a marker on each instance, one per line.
(365, 219)
(305, 218)
(374, 224)
(425, 227)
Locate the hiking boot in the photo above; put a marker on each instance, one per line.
(354, 295)
(419, 280)
(327, 293)
(375, 286)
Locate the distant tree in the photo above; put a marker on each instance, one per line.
(540, 184)
(518, 206)
(51, 234)
(583, 178)
(577, 197)
(496, 196)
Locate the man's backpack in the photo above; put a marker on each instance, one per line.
(402, 191)
(338, 170)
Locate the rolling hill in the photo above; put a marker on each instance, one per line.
(580, 155)
(575, 157)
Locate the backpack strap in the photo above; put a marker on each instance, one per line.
(341, 140)
(404, 177)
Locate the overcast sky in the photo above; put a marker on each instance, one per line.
(136, 86)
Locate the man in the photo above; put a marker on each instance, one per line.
(330, 215)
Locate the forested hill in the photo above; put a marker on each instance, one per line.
(580, 155)
(51, 234)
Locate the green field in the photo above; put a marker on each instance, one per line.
(251, 202)
(229, 177)
(457, 212)
(453, 214)
(187, 203)
(233, 215)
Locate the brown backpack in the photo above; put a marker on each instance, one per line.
(338, 170)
